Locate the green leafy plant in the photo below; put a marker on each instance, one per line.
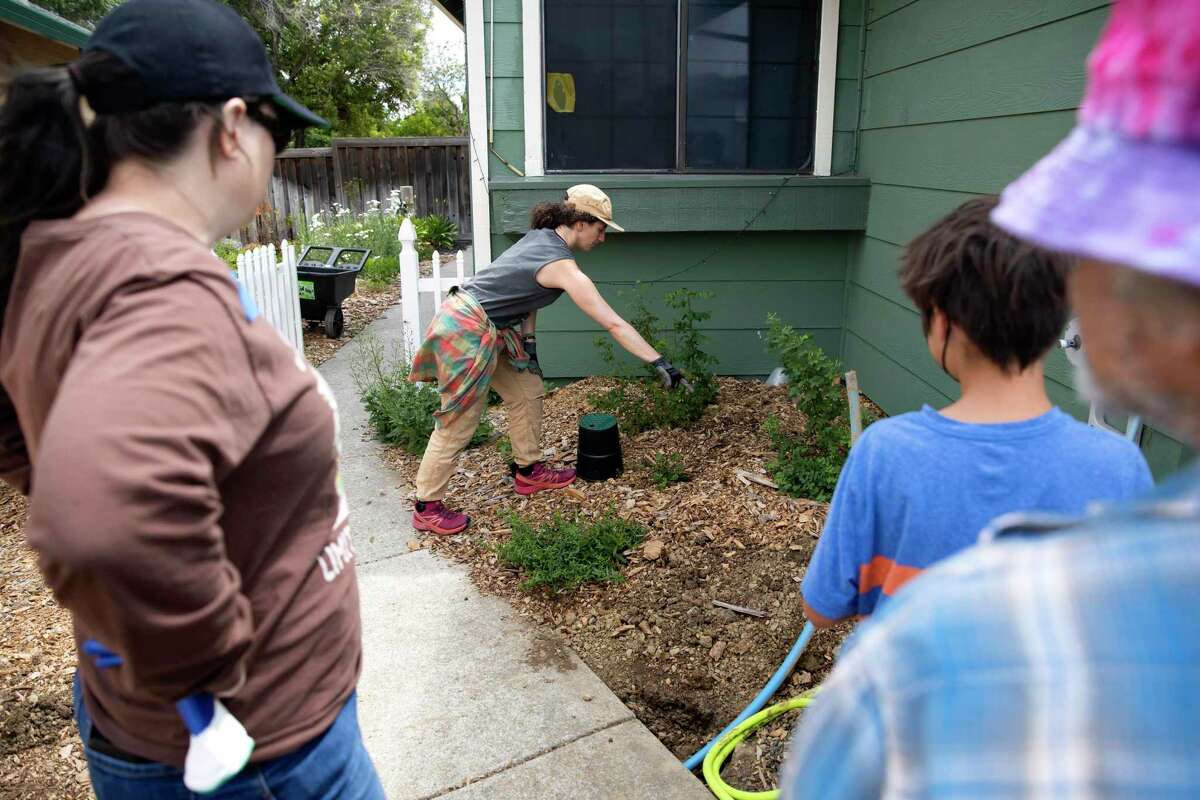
(563, 553)
(504, 447)
(380, 272)
(808, 465)
(434, 232)
(228, 250)
(401, 412)
(667, 469)
(641, 403)
(799, 468)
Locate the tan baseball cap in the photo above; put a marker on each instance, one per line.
(590, 200)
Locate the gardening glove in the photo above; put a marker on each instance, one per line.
(218, 746)
(670, 375)
(529, 342)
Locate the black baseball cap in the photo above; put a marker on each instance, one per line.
(181, 51)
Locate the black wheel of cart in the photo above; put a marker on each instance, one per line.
(335, 323)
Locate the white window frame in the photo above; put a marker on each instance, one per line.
(534, 105)
(477, 140)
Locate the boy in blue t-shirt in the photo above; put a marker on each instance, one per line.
(921, 486)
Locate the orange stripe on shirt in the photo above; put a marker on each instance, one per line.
(884, 572)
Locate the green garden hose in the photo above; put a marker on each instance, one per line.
(723, 749)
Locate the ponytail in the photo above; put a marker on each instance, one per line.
(551, 215)
(56, 153)
(48, 155)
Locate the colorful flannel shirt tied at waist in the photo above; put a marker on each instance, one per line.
(459, 353)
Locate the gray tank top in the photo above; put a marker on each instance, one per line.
(508, 290)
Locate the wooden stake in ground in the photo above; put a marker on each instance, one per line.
(751, 612)
(752, 477)
(855, 407)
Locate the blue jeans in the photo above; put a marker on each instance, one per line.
(333, 765)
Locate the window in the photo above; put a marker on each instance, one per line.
(708, 85)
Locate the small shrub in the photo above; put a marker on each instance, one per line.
(808, 466)
(400, 412)
(434, 232)
(380, 272)
(814, 379)
(562, 554)
(228, 250)
(642, 403)
(799, 468)
(504, 447)
(667, 469)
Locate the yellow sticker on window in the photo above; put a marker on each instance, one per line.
(560, 92)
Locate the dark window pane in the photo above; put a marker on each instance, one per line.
(751, 83)
(621, 55)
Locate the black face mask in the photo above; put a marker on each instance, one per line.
(945, 347)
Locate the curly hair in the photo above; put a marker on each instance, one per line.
(551, 215)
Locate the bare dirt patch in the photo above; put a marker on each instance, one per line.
(683, 665)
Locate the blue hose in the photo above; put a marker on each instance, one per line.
(766, 694)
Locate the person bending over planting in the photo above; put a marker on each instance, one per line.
(483, 337)
(920, 486)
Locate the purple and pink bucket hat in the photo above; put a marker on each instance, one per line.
(1124, 186)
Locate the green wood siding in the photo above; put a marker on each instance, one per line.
(507, 113)
(958, 99)
(673, 203)
(800, 276)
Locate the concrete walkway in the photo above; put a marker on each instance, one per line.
(459, 698)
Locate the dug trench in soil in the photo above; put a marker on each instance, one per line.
(683, 665)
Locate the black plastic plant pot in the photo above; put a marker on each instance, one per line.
(599, 454)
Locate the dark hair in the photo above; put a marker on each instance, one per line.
(1007, 296)
(54, 160)
(551, 215)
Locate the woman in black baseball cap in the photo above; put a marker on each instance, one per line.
(180, 459)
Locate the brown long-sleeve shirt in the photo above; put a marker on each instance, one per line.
(181, 462)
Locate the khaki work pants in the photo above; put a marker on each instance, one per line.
(522, 393)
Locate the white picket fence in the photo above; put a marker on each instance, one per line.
(273, 287)
(416, 315)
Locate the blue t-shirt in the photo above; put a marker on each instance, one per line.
(920, 487)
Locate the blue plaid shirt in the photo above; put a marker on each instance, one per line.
(1042, 663)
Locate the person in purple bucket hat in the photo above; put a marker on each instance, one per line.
(1058, 657)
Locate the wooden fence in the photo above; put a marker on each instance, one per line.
(355, 171)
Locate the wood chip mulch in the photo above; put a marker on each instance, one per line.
(685, 666)
(361, 309)
(40, 753)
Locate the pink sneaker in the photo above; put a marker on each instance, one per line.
(436, 518)
(542, 477)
